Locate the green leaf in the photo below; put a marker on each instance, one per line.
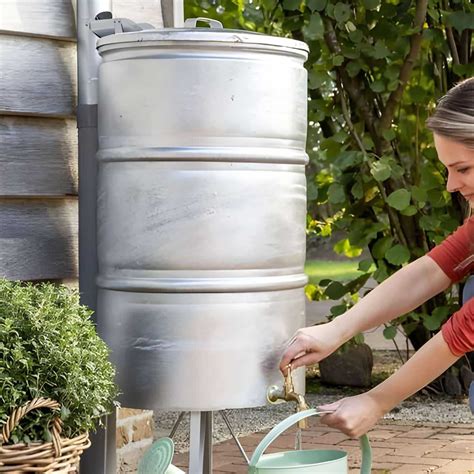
(417, 95)
(365, 265)
(381, 247)
(357, 189)
(380, 170)
(371, 4)
(397, 255)
(335, 290)
(291, 4)
(409, 211)
(464, 70)
(390, 332)
(419, 194)
(338, 309)
(399, 199)
(460, 20)
(380, 50)
(312, 191)
(337, 60)
(317, 78)
(344, 247)
(342, 12)
(429, 222)
(315, 28)
(435, 321)
(368, 142)
(353, 68)
(389, 134)
(392, 72)
(377, 86)
(313, 292)
(317, 5)
(356, 36)
(336, 193)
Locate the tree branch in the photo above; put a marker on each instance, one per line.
(353, 87)
(407, 67)
(393, 218)
(451, 41)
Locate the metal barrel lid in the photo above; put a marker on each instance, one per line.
(191, 33)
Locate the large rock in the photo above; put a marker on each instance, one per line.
(352, 367)
(451, 384)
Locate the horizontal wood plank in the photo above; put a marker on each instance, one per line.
(38, 239)
(39, 17)
(38, 76)
(38, 156)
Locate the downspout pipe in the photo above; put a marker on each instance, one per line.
(100, 458)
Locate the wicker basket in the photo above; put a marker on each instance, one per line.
(59, 456)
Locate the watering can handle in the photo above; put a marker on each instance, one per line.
(290, 421)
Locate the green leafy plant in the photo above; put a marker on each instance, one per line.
(375, 71)
(49, 348)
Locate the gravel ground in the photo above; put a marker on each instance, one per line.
(251, 420)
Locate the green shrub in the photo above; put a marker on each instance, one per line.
(49, 348)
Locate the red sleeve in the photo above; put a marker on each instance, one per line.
(454, 255)
(458, 331)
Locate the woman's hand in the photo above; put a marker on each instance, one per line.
(310, 345)
(354, 416)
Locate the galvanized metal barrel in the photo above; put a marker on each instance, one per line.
(201, 213)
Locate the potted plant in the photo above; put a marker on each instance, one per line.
(56, 382)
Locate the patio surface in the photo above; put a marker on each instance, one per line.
(397, 447)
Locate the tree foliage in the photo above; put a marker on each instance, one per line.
(375, 71)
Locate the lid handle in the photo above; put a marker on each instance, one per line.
(192, 22)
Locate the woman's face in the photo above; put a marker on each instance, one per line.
(459, 161)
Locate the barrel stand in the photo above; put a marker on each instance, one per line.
(200, 443)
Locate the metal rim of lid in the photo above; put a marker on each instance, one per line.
(202, 35)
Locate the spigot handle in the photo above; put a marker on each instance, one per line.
(289, 386)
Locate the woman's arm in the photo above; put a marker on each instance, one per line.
(402, 292)
(357, 415)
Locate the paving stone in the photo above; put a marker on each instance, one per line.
(413, 468)
(417, 451)
(420, 433)
(450, 455)
(417, 460)
(460, 446)
(456, 467)
(382, 434)
(458, 431)
(453, 436)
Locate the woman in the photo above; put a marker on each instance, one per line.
(453, 128)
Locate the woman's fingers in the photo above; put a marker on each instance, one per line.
(330, 406)
(354, 416)
(296, 350)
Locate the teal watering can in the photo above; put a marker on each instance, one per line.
(314, 461)
(157, 459)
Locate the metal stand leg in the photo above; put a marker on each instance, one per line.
(237, 442)
(200, 445)
(176, 424)
(100, 457)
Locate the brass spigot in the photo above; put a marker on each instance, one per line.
(287, 393)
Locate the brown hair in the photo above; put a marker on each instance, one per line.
(454, 114)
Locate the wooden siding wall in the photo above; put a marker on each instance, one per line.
(38, 136)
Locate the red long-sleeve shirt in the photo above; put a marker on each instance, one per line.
(455, 256)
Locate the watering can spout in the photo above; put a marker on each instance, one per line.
(287, 393)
